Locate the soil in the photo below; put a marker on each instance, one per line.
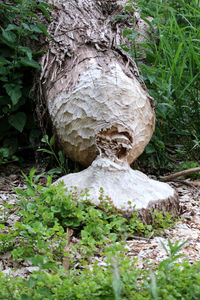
(145, 250)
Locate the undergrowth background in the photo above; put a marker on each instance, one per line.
(20, 27)
(171, 71)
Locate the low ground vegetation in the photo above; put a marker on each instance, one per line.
(60, 233)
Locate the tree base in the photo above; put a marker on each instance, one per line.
(127, 189)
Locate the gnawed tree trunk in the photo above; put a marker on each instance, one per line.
(98, 105)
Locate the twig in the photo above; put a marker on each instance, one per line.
(141, 238)
(191, 184)
(178, 174)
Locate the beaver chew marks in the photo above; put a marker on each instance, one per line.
(114, 144)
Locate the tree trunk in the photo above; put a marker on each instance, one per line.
(99, 107)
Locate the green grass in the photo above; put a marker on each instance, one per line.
(171, 71)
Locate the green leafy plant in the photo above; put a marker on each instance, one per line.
(180, 281)
(60, 158)
(162, 220)
(20, 26)
(172, 254)
(165, 267)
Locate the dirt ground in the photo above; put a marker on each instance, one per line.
(151, 250)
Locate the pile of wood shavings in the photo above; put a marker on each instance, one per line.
(188, 228)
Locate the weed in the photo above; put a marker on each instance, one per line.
(60, 158)
(19, 25)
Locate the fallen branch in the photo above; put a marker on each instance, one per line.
(190, 184)
(178, 174)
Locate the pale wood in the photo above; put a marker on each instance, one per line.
(125, 188)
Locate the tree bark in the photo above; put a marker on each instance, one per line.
(86, 37)
(99, 105)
